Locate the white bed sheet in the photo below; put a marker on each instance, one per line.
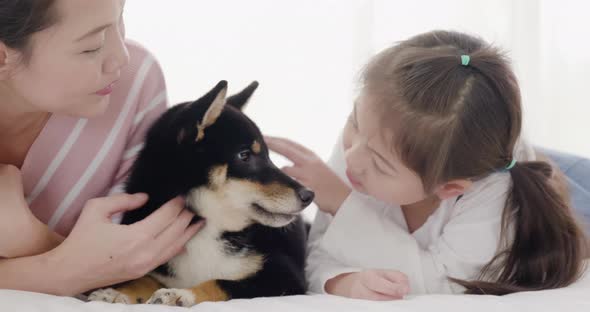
(573, 298)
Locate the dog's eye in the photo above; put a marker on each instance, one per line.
(244, 155)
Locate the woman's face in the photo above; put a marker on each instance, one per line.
(75, 63)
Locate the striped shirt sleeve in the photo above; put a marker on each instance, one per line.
(153, 102)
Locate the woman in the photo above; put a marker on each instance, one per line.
(75, 102)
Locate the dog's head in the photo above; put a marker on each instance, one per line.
(217, 157)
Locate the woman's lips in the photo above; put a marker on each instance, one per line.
(106, 90)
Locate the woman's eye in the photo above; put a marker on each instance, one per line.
(92, 51)
(244, 155)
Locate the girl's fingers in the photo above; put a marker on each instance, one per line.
(376, 296)
(394, 276)
(296, 145)
(293, 172)
(287, 149)
(385, 287)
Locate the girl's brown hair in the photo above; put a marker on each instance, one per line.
(463, 122)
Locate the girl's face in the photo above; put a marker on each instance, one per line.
(372, 166)
(75, 63)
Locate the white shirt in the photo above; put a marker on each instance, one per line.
(457, 240)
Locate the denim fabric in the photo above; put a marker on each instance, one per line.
(577, 171)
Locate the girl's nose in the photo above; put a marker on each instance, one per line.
(356, 159)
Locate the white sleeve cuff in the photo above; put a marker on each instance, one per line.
(393, 247)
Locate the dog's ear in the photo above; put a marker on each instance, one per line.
(239, 100)
(218, 94)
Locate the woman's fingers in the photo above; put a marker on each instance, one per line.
(162, 217)
(118, 203)
(178, 246)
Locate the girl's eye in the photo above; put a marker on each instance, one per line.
(244, 155)
(352, 122)
(379, 168)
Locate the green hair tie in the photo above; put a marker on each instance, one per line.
(465, 60)
(511, 165)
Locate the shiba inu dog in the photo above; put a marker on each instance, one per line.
(253, 243)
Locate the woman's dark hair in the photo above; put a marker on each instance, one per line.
(451, 122)
(19, 19)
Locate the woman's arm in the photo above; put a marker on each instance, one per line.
(25, 241)
(34, 238)
(40, 273)
(98, 253)
(21, 233)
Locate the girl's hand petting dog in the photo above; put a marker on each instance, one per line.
(108, 253)
(330, 191)
(379, 285)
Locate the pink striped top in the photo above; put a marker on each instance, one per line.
(76, 159)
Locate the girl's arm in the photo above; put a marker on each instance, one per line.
(360, 233)
(332, 192)
(320, 265)
(326, 180)
(329, 270)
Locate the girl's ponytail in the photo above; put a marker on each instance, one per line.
(548, 247)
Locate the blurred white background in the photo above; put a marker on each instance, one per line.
(307, 55)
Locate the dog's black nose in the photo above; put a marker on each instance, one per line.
(306, 196)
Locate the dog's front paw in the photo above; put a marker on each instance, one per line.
(109, 295)
(173, 297)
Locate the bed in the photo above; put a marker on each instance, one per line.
(573, 298)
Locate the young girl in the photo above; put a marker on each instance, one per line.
(75, 103)
(430, 189)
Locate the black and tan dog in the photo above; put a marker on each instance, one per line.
(253, 244)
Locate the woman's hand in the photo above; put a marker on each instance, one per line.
(370, 285)
(98, 252)
(330, 191)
